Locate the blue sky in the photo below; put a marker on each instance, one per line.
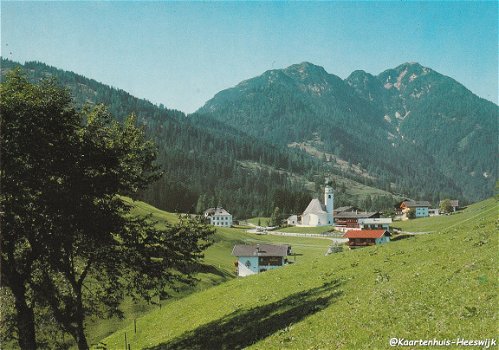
(182, 53)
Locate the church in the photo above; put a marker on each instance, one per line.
(317, 213)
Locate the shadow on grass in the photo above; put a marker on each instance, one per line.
(204, 268)
(245, 327)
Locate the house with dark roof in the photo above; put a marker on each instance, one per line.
(351, 219)
(363, 238)
(420, 207)
(343, 209)
(218, 217)
(454, 203)
(256, 258)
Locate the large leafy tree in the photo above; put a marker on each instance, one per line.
(68, 239)
(445, 206)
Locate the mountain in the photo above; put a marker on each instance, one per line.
(208, 162)
(409, 129)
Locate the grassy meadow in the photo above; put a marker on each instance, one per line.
(443, 222)
(217, 266)
(263, 220)
(440, 285)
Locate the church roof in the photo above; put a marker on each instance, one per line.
(315, 207)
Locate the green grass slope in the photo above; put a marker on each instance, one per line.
(217, 266)
(441, 285)
(442, 222)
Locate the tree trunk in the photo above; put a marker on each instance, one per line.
(25, 320)
(81, 340)
(80, 337)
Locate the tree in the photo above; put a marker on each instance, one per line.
(411, 214)
(275, 219)
(31, 170)
(69, 240)
(445, 206)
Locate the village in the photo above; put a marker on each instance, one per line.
(348, 227)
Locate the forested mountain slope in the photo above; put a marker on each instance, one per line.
(206, 160)
(415, 131)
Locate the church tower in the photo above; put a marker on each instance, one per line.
(329, 202)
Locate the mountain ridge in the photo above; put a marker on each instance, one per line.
(206, 160)
(405, 110)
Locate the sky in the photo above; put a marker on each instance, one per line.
(181, 54)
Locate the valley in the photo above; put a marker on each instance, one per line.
(265, 175)
(355, 299)
(361, 135)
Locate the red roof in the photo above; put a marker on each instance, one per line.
(364, 234)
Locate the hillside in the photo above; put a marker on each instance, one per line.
(441, 285)
(409, 130)
(204, 159)
(217, 266)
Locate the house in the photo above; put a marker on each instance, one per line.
(317, 213)
(420, 207)
(351, 219)
(218, 217)
(433, 211)
(398, 207)
(256, 258)
(362, 238)
(345, 209)
(454, 203)
(375, 223)
(292, 220)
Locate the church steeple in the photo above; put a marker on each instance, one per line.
(329, 197)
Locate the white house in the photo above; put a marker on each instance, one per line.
(218, 217)
(253, 259)
(375, 223)
(292, 220)
(317, 213)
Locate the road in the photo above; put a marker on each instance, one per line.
(307, 235)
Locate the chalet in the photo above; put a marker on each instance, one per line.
(398, 207)
(345, 209)
(218, 217)
(454, 203)
(256, 258)
(375, 223)
(317, 213)
(351, 219)
(362, 238)
(420, 207)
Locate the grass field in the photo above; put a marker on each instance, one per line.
(441, 285)
(218, 266)
(263, 220)
(437, 223)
